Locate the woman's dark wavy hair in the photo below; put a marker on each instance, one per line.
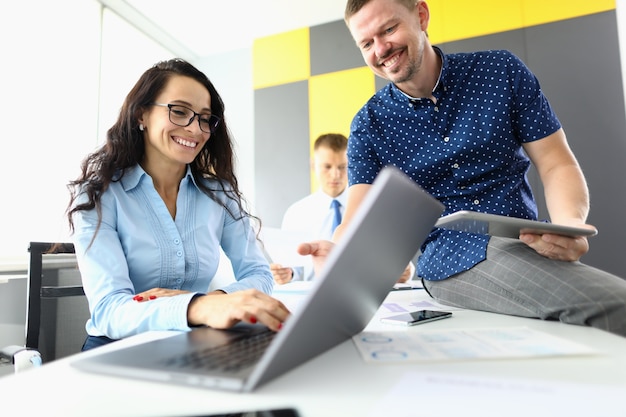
(124, 147)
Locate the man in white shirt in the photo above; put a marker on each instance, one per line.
(315, 214)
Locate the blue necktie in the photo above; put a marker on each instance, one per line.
(336, 205)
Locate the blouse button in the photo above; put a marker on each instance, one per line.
(177, 241)
(446, 139)
(179, 253)
(476, 201)
(455, 166)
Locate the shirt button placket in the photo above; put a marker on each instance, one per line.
(179, 254)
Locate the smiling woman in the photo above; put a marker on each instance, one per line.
(153, 208)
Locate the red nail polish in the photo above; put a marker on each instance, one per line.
(138, 298)
(252, 319)
(152, 297)
(280, 326)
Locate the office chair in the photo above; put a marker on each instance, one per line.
(57, 308)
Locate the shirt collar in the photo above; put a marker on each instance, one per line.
(342, 198)
(440, 84)
(134, 175)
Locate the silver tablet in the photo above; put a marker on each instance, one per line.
(497, 225)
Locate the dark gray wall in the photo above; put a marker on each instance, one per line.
(281, 149)
(578, 65)
(577, 62)
(333, 49)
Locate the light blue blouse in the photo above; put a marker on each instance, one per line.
(139, 246)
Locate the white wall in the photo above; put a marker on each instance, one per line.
(231, 74)
(47, 112)
(57, 103)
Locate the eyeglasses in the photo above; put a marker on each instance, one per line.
(183, 116)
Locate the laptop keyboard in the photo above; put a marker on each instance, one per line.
(231, 357)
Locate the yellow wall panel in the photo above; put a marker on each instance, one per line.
(537, 12)
(281, 59)
(435, 25)
(452, 20)
(334, 99)
(460, 19)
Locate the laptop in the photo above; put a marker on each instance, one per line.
(393, 221)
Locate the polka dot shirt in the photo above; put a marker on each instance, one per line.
(464, 149)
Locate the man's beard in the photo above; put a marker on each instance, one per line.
(407, 73)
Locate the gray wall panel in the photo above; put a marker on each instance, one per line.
(333, 49)
(281, 150)
(513, 41)
(379, 83)
(578, 65)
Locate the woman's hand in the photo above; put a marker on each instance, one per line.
(153, 293)
(221, 311)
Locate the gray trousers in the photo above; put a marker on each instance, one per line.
(516, 280)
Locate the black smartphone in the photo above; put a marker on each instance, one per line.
(279, 412)
(416, 317)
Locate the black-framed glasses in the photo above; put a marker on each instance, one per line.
(183, 116)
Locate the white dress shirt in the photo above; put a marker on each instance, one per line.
(313, 215)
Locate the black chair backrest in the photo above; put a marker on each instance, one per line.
(57, 308)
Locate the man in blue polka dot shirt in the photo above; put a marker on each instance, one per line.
(466, 127)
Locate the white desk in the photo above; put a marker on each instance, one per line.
(340, 383)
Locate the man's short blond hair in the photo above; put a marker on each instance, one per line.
(334, 141)
(353, 6)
